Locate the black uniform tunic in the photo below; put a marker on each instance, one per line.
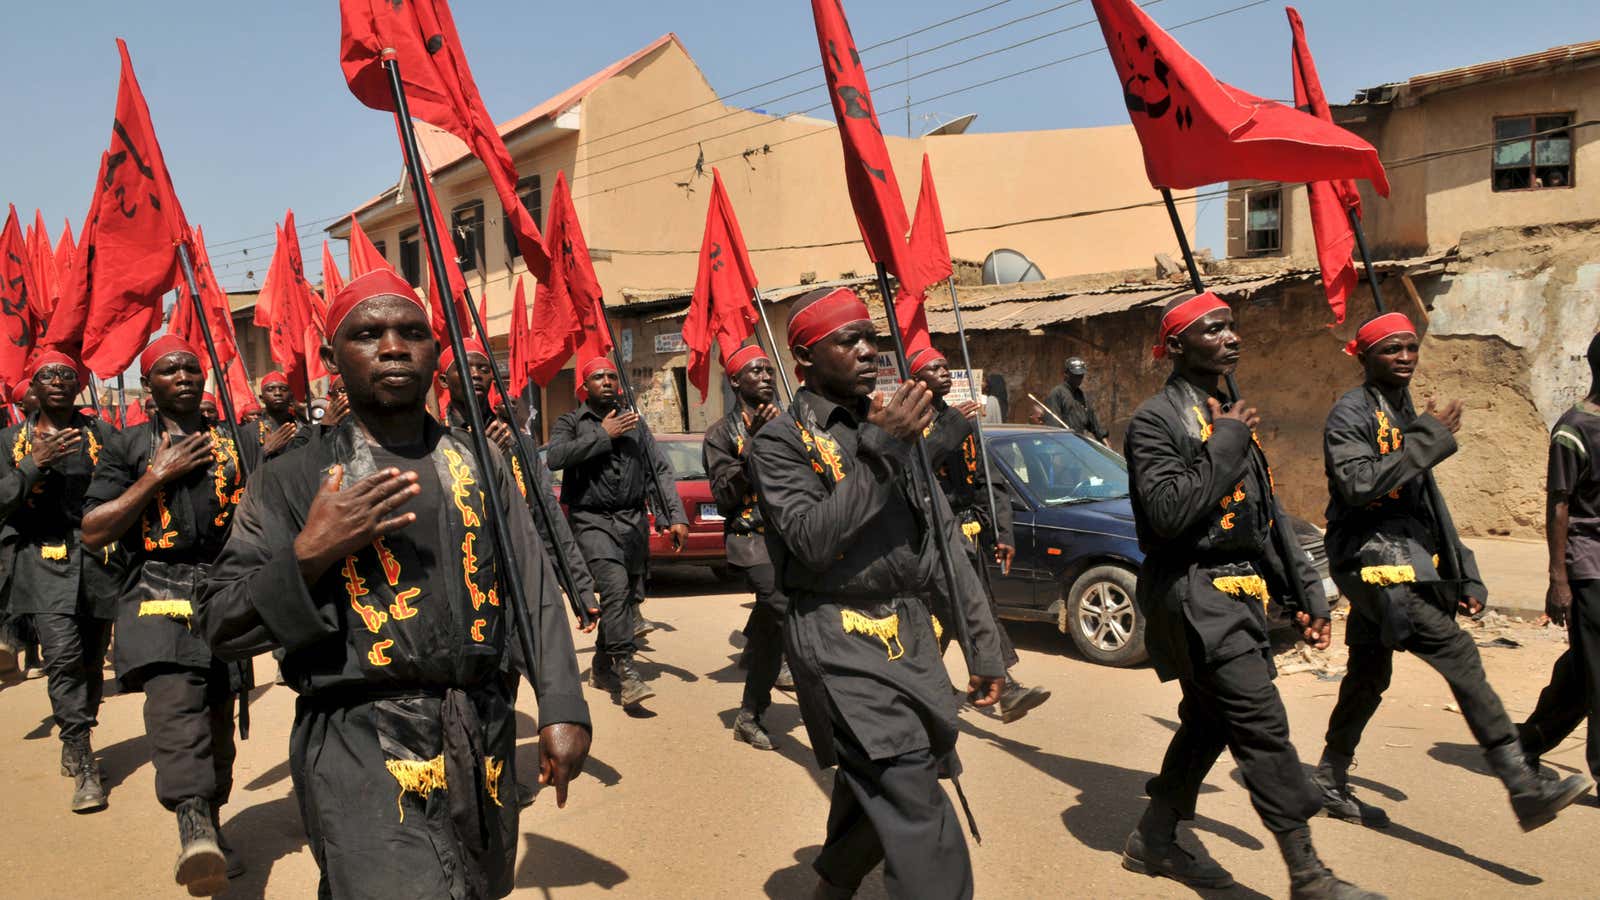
(403, 744)
(1073, 407)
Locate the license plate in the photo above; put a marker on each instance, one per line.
(708, 513)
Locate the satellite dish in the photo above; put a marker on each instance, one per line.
(1009, 267)
(958, 125)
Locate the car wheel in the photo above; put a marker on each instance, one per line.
(1102, 619)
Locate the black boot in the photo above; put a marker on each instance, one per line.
(69, 759)
(602, 677)
(633, 690)
(1153, 850)
(1016, 700)
(785, 680)
(88, 794)
(1332, 780)
(233, 865)
(747, 727)
(201, 866)
(1309, 879)
(1534, 800)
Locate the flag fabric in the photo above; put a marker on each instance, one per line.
(720, 312)
(219, 315)
(1331, 201)
(17, 289)
(1196, 130)
(66, 249)
(364, 255)
(286, 308)
(239, 391)
(568, 316)
(332, 281)
(928, 263)
(452, 270)
(421, 37)
(517, 342)
(42, 259)
(869, 174)
(132, 257)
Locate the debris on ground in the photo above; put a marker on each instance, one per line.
(1327, 665)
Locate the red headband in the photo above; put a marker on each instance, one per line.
(1375, 330)
(48, 358)
(274, 378)
(825, 316)
(377, 283)
(209, 396)
(921, 359)
(1185, 314)
(743, 357)
(448, 357)
(162, 346)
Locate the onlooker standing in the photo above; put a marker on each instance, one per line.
(1071, 405)
(996, 406)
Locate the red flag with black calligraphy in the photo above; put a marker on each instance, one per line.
(285, 309)
(46, 277)
(517, 338)
(720, 311)
(1332, 202)
(219, 315)
(567, 314)
(421, 36)
(17, 289)
(132, 257)
(927, 263)
(1197, 130)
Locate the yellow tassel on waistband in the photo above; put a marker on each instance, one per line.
(53, 551)
(420, 778)
(938, 628)
(1242, 586)
(971, 530)
(177, 609)
(885, 629)
(1386, 575)
(491, 778)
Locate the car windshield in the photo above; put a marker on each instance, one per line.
(686, 458)
(1060, 468)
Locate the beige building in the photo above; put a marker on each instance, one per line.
(638, 140)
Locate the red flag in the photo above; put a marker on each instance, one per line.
(66, 249)
(1196, 130)
(1331, 201)
(219, 315)
(364, 255)
(452, 270)
(332, 281)
(928, 263)
(874, 192)
(517, 342)
(134, 415)
(132, 256)
(720, 309)
(42, 259)
(421, 37)
(567, 311)
(17, 289)
(286, 308)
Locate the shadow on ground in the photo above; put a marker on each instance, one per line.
(261, 834)
(548, 863)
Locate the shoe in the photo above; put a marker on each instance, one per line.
(1538, 767)
(1309, 879)
(747, 727)
(785, 680)
(233, 865)
(602, 677)
(201, 866)
(1168, 860)
(643, 626)
(69, 760)
(1339, 802)
(1016, 700)
(1534, 800)
(632, 689)
(88, 793)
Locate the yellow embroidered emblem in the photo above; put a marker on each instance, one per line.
(92, 444)
(175, 609)
(971, 530)
(163, 519)
(1205, 427)
(886, 630)
(825, 447)
(491, 777)
(53, 551)
(223, 452)
(461, 481)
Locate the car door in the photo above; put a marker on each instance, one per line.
(1016, 588)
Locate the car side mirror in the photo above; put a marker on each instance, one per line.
(1018, 505)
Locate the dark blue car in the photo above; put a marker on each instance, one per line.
(1077, 556)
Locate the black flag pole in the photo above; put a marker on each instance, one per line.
(924, 482)
(122, 402)
(507, 563)
(977, 427)
(218, 373)
(541, 503)
(94, 397)
(647, 444)
(1448, 557)
(772, 346)
(1287, 543)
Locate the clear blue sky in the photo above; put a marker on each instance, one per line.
(254, 116)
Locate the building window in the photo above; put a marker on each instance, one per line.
(532, 195)
(466, 227)
(411, 257)
(1533, 152)
(383, 249)
(1263, 221)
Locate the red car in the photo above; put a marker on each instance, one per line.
(705, 545)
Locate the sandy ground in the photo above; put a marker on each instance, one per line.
(670, 806)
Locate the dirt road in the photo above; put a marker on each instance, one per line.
(670, 806)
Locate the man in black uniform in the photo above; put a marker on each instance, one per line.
(751, 373)
(1572, 532)
(858, 562)
(70, 594)
(607, 454)
(169, 488)
(367, 554)
(1390, 548)
(1205, 515)
(278, 428)
(966, 478)
(1071, 405)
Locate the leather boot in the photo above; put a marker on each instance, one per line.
(747, 728)
(1309, 879)
(201, 866)
(1152, 849)
(602, 676)
(233, 864)
(1016, 700)
(633, 690)
(785, 680)
(69, 760)
(1535, 801)
(1332, 780)
(88, 794)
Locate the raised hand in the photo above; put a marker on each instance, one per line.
(343, 520)
(1449, 416)
(1238, 412)
(175, 460)
(906, 414)
(279, 438)
(52, 447)
(618, 423)
(500, 433)
(970, 409)
(765, 413)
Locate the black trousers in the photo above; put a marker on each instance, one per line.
(893, 811)
(1574, 683)
(1435, 639)
(1234, 704)
(621, 592)
(764, 637)
(74, 650)
(188, 718)
(1008, 651)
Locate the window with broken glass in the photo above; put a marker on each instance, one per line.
(1533, 152)
(1263, 221)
